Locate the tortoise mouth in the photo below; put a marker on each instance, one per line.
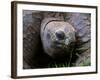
(59, 44)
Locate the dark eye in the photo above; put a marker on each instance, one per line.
(48, 36)
(60, 35)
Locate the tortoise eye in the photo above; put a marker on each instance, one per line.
(60, 35)
(48, 36)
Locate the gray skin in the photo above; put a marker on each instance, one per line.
(56, 36)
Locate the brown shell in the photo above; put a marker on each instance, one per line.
(31, 37)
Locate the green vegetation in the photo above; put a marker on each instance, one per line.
(77, 52)
(55, 65)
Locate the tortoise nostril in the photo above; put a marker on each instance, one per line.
(60, 35)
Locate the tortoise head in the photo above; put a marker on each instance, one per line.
(62, 35)
(57, 37)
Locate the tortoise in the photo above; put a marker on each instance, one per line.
(35, 53)
(57, 36)
(60, 37)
